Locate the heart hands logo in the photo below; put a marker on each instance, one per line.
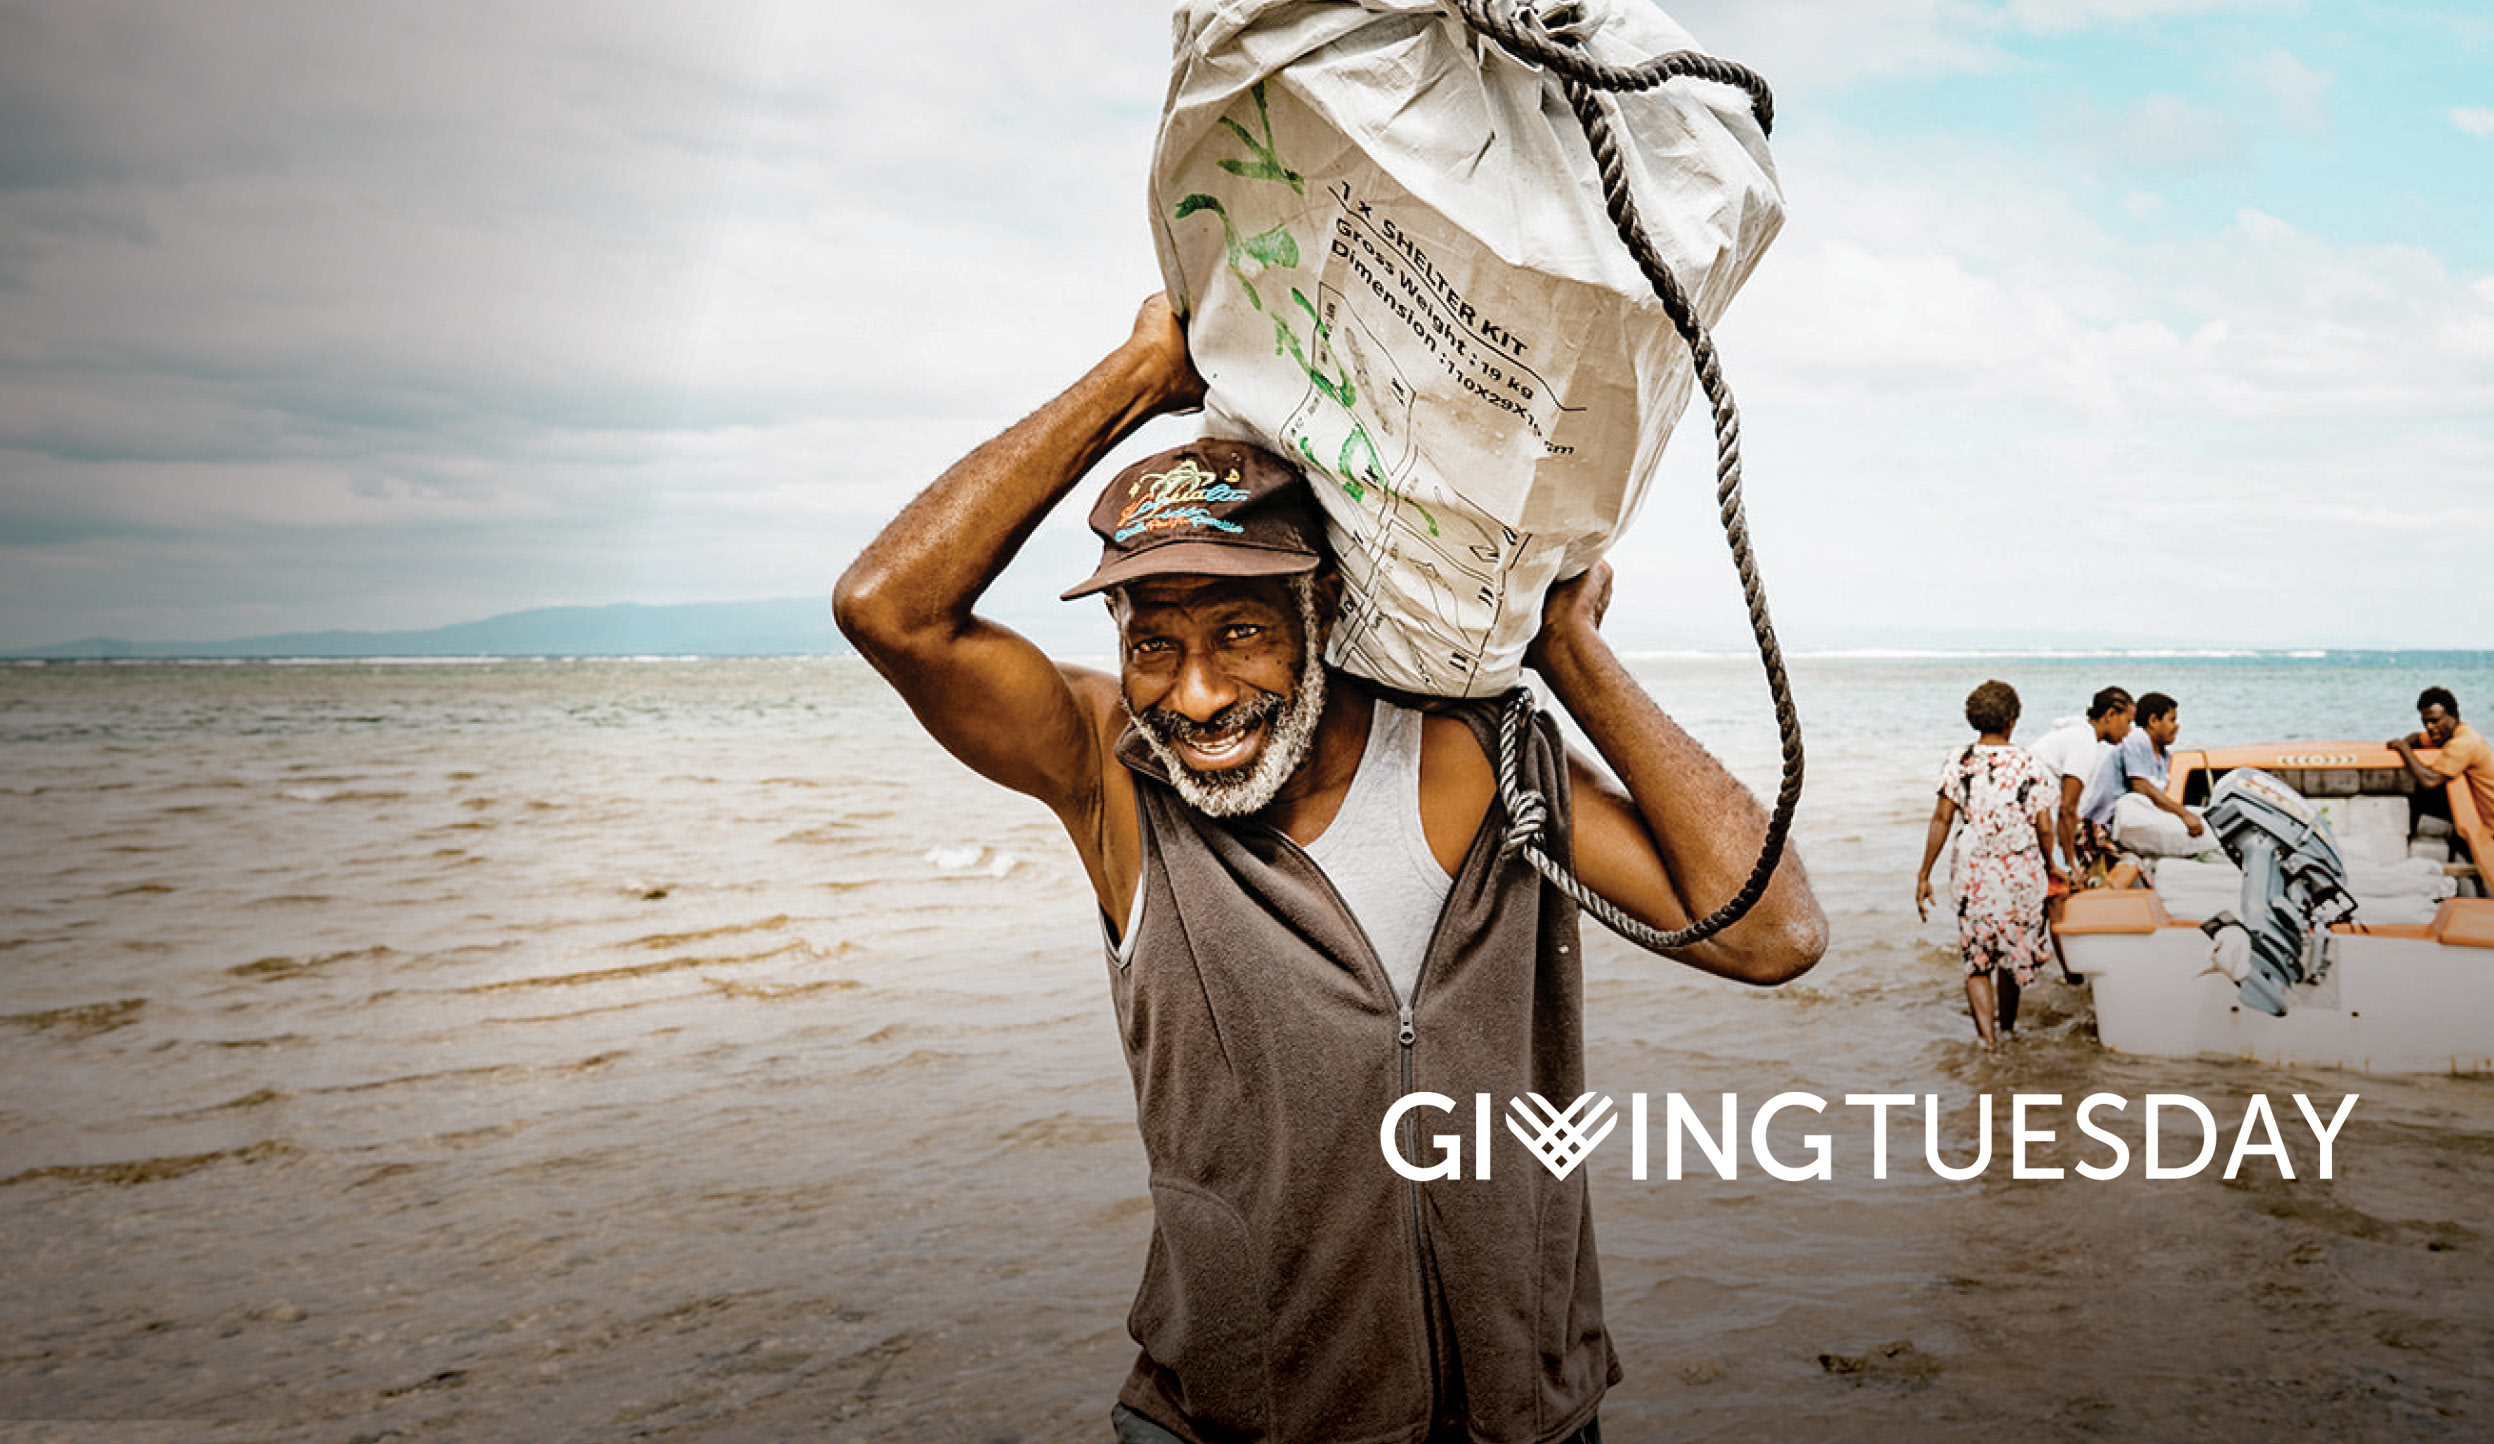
(1558, 1137)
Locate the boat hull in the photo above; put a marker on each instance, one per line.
(2388, 1004)
(2397, 997)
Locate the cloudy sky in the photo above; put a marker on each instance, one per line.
(2118, 320)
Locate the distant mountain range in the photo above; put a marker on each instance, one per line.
(799, 626)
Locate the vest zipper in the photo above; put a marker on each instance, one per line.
(1405, 1033)
(1420, 1242)
(1473, 857)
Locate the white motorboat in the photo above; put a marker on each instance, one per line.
(2404, 985)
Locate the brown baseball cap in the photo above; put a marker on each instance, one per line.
(1208, 508)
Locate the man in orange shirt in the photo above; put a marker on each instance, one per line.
(2465, 752)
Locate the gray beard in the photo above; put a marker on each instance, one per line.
(1243, 791)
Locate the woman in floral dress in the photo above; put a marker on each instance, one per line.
(2002, 804)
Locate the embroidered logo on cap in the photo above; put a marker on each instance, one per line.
(1182, 496)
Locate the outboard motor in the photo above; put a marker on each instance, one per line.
(2294, 885)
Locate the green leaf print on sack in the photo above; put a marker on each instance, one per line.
(1359, 468)
(1276, 247)
(1267, 164)
(1338, 390)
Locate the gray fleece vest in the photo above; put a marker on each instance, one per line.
(1297, 1288)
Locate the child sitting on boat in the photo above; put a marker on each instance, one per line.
(2128, 798)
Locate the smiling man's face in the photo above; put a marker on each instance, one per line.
(1225, 678)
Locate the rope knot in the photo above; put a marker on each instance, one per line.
(1565, 22)
(1526, 817)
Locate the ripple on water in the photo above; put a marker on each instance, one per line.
(782, 992)
(278, 967)
(676, 940)
(84, 1020)
(593, 976)
(153, 1170)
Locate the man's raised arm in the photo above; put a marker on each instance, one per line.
(2426, 774)
(985, 692)
(1683, 836)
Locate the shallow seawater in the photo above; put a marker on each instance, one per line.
(598, 1050)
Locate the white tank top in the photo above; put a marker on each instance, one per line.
(1376, 853)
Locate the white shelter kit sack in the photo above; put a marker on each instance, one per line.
(2142, 827)
(1388, 238)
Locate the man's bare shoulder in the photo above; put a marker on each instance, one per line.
(1098, 698)
(1094, 689)
(1103, 827)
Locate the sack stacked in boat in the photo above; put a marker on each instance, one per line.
(1388, 238)
(2141, 826)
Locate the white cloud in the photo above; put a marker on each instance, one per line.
(1799, 44)
(1949, 370)
(2048, 17)
(2474, 119)
(2156, 133)
(1971, 271)
(1802, 44)
(2297, 94)
(392, 277)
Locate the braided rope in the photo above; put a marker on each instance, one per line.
(1534, 46)
(1581, 77)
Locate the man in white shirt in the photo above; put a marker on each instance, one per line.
(2072, 752)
